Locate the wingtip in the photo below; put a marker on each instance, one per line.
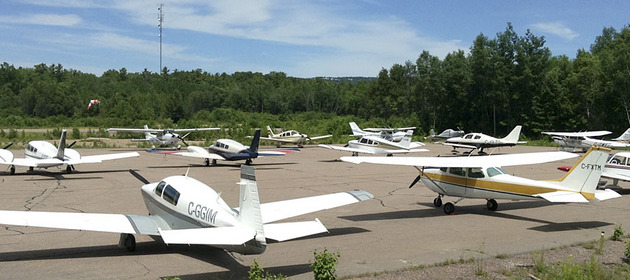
(361, 195)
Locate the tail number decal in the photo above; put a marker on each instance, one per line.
(202, 212)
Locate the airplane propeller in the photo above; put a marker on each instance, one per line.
(10, 144)
(138, 176)
(181, 138)
(70, 146)
(415, 181)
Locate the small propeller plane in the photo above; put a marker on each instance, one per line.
(483, 177)
(162, 137)
(446, 134)
(291, 137)
(481, 141)
(583, 140)
(227, 149)
(391, 134)
(376, 145)
(42, 154)
(183, 210)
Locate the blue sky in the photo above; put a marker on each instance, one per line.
(300, 38)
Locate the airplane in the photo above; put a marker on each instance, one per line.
(290, 136)
(483, 177)
(391, 134)
(376, 145)
(481, 141)
(162, 137)
(183, 210)
(227, 149)
(625, 136)
(42, 154)
(446, 134)
(583, 140)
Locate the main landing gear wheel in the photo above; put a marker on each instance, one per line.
(214, 162)
(492, 204)
(12, 169)
(206, 162)
(128, 241)
(449, 208)
(69, 169)
(437, 201)
(248, 162)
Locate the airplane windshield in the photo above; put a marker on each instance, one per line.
(171, 195)
(494, 171)
(159, 188)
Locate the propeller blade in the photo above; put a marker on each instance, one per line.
(415, 181)
(138, 176)
(184, 141)
(10, 144)
(70, 146)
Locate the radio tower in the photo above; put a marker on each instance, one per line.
(160, 21)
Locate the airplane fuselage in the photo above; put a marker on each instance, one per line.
(585, 143)
(46, 150)
(371, 145)
(232, 150)
(479, 140)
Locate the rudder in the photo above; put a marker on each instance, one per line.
(514, 135)
(249, 204)
(585, 174)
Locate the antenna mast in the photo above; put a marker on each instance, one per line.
(160, 21)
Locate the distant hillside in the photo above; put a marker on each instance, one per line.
(353, 80)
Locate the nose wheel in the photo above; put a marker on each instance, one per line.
(437, 202)
(492, 204)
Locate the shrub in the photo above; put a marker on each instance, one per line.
(618, 233)
(325, 265)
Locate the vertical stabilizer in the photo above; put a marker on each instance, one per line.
(585, 174)
(356, 131)
(406, 140)
(254, 146)
(147, 135)
(61, 150)
(624, 137)
(514, 135)
(270, 133)
(249, 203)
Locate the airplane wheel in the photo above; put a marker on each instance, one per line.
(214, 162)
(69, 169)
(437, 201)
(12, 170)
(207, 161)
(278, 145)
(449, 208)
(248, 162)
(492, 204)
(354, 154)
(130, 243)
(300, 146)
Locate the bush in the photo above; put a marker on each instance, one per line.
(618, 234)
(324, 265)
(258, 273)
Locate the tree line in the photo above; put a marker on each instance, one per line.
(502, 81)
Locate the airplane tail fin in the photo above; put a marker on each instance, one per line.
(147, 135)
(431, 133)
(585, 174)
(249, 205)
(61, 150)
(624, 137)
(356, 131)
(270, 132)
(254, 146)
(514, 135)
(406, 140)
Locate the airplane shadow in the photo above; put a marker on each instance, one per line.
(235, 165)
(47, 175)
(548, 226)
(331, 233)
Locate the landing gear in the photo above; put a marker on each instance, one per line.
(69, 169)
(179, 147)
(492, 204)
(390, 155)
(214, 162)
(206, 162)
(127, 241)
(12, 169)
(449, 208)
(437, 202)
(278, 145)
(248, 162)
(354, 154)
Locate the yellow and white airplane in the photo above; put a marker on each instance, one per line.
(42, 154)
(290, 137)
(482, 177)
(481, 141)
(376, 145)
(183, 210)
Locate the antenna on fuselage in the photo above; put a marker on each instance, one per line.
(187, 170)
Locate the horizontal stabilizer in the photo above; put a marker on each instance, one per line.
(287, 231)
(562, 196)
(100, 158)
(606, 194)
(208, 236)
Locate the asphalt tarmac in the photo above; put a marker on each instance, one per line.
(397, 229)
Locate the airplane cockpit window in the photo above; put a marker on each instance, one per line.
(475, 173)
(443, 169)
(477, 136)
(616, 159)
(171, 195)
(159, 188)
(457, 171)
(469, 136)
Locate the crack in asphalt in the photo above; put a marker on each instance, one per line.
(37, 199)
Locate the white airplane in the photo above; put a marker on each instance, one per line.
(290, 136)
(583, 140)
(483, 178)
(625, 136)
(446, 134)
(183, 210)
(227, 149)
(481, 141)
(162, 137)
(42, 154)
(376, 145)
(391, 134)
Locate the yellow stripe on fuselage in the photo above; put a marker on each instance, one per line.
(489, 185)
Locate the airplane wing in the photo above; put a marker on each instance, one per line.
(320, 137)
(137, 130)
(405, 151)
(100, 158)
(477, 161)
(275, 139)
(460, 145)
(347, 149)
(279, 210)
(208, 236)
(578, 134)
(613, 175)
(194, 129)
(116, 223)
(191, 151)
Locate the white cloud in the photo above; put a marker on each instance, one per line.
(556, 28)
(43, 19)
